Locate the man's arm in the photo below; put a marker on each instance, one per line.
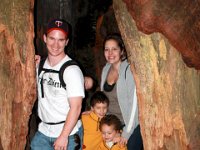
(71, 120)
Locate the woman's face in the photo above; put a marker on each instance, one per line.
(112, 52)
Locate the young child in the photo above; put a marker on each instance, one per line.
(110, 127)
(92, 136)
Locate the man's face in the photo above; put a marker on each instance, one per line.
(56, 41)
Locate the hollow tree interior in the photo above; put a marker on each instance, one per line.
(162, 39)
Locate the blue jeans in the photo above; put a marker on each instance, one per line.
(80, 133)
(43, 142)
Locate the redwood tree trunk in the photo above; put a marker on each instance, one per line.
(168, 91)
(17, 72)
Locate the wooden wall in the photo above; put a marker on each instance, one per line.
(17, 72)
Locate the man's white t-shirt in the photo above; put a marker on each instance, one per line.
(54, 106)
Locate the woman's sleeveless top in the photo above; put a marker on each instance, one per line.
(111, 93)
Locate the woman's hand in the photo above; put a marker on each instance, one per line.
(120, 140)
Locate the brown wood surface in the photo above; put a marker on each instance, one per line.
(168, 91)
(17, 72)
(177, 20)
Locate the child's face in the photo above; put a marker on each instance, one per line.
(100, 109)
(108, 132)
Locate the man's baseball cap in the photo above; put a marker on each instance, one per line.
(58, 24)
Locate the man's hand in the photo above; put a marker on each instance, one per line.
(71, 120)
(37, 59)
(61, 143)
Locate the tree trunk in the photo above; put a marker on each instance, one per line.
(168, 91)
(17, 72)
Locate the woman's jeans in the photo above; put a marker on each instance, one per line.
(43, 142)
(135, 140)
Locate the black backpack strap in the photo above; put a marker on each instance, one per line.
(46, 71)
(62, 69)
(42, 61)
(40, 69)
(41, 65)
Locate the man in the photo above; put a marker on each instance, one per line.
(58, 107)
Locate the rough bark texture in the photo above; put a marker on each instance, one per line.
(178, 20)
(168, 91)
(17, 73)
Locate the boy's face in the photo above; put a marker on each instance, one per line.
(108, 132)
(55, 42)
(100, 109)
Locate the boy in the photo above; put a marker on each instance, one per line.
(92, 136)
(110, 127)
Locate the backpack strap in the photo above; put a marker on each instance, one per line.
(42, 61)
(40, 69)
(62, 69)
(60, 72)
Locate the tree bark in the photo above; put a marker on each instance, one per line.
(177, 20)
(17, 72)
(168, 91)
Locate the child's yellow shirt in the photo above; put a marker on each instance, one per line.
(92, 136)
(103, 146)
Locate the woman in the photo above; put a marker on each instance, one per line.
(118, 84)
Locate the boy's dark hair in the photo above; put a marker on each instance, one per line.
(111, 120)
(99, 97)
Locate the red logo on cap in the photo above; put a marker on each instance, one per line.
(58, 23)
